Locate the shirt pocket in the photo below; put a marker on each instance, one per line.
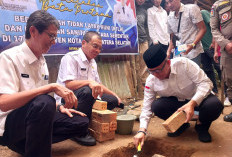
(83, 75)
(225, 14)
(26, 83)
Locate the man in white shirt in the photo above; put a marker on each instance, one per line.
(29, 123)
(157, 24)
(191, 28)
(182, 86)
(78, 72)
(123, 14)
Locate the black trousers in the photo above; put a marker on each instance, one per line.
(31, 129)
(208, 67)
(209, 110)
(86, 100)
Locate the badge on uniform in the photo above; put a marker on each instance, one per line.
(46, 77)
(212, 13)
(225, 17)
(25, 75)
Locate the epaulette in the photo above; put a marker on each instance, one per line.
(223, 5)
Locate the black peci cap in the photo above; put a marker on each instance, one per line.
(155, 55)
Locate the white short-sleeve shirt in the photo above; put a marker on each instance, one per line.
(20, 71)
(191, 15)
(75, 66)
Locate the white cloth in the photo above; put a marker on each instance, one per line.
(75, 66)
(157, 25)
(187, 81)
(120, 17)
(191, 15)
(20, 71)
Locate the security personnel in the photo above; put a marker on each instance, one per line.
(221, 25)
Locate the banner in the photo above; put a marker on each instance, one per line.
(115, 20)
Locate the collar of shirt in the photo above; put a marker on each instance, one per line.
(29, 55)
(157, 9)
(173, 69)
(181, 7)
(84, 58)
(181, 10)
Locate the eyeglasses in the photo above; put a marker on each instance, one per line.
(51, 36)
(95, 46)
(157, 70)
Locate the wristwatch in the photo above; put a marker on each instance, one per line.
(58, 107)
(194, 45)
(144, 132)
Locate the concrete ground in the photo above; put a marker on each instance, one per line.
(219, 147)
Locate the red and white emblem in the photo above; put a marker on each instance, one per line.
(225, 16)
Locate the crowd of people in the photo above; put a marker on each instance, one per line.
(28, 112)
(182, 73)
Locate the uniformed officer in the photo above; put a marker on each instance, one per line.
(27, 112)
(78, 71)
(221, 25)
(123, 14)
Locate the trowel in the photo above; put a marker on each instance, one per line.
(138, 151)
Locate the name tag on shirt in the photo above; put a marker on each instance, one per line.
(25, 75)
(83, 69)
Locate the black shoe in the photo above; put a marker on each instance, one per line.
(121, 105)
(203, 133)
(228, 118)
(85, 141)
(179, 131)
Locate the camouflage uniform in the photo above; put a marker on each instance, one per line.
(221, 25)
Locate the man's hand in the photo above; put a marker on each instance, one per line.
(70, 111)
(188, 109)
(139, 138)
(168, 54)
(189, 48)
(96, 89)
(228, 48)
(119, 100)
(67, 95)
(215, 57)
(155, 43)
